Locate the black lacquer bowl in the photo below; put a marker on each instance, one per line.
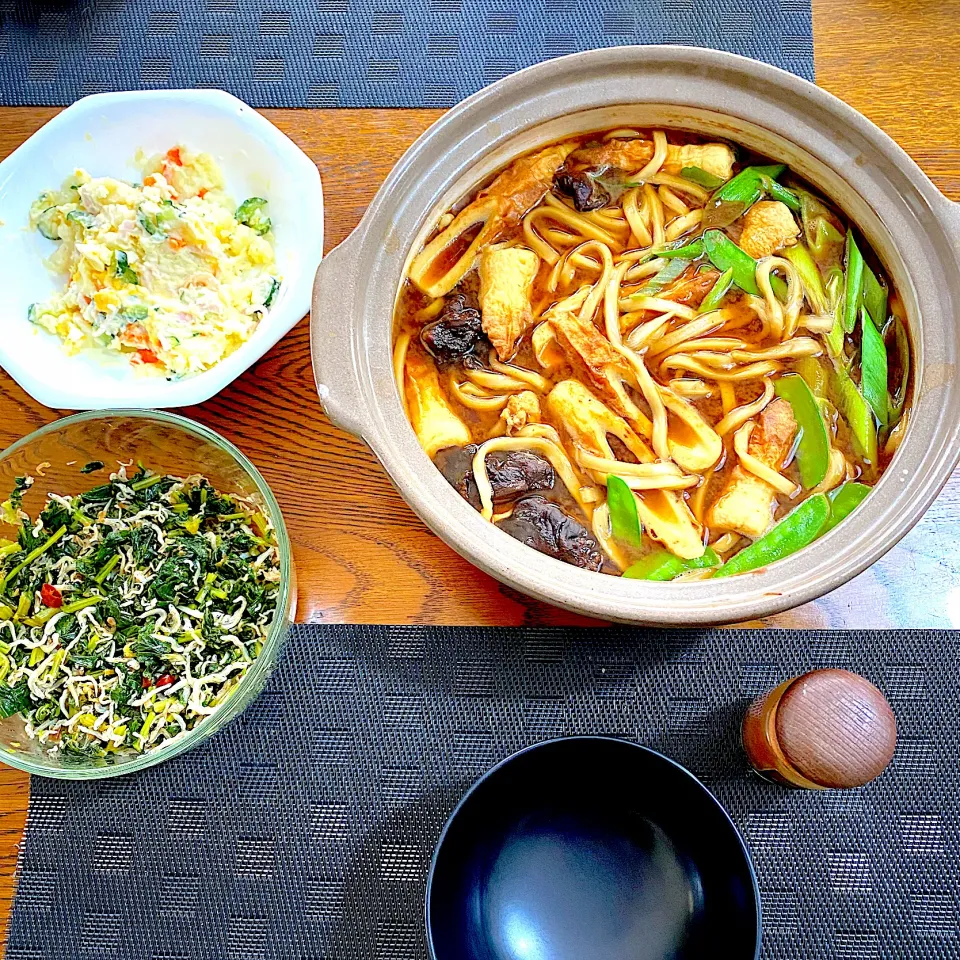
(590, 848)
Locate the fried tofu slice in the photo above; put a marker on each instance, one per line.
(588, 422)
(715, 158)
(667, 519)
(587, 350)
(544, 339)
(506, 280)
(694, 445)
(690, 291)
(521, 409)
(523, 184)
(746, 503)
(632, 155)
(768, 227)
(496, 209)
(432, 417)
(545, 347)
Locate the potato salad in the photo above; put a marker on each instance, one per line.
(169, 271)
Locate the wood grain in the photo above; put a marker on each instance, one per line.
(361, 554)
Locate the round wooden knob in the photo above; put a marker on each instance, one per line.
(828, 728)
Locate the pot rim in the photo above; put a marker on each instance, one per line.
(910, 221)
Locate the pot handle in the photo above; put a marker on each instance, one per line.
(335, 364)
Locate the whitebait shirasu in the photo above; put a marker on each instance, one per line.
(131, 612)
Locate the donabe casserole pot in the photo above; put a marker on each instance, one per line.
(911, 225)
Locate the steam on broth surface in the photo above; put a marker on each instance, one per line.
(653, 356)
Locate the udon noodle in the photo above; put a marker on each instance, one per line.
(640, 355)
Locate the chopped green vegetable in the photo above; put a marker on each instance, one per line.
(272, 293)
(135, 313)
(745, 186)
(9, 509)
(155, 224)
(835, 295)
(822, 231)
(777, 191)
(701, 177)
(799, 255)
(615, 182)
(854, 284)
(717, 292)
(873, 368)
(47, 223)
(874, 297)
(843, 501)
(745, 183)
(148, 223)
(31, 556)
(661, 565)
(48, 613)
(738, 194)
(813, 371)
(86, 220)
(252, 212)
(856, 412)
(725, 255)
(92, 466)
(23, 605)
(664, 278)
(689, 251)
(796, 530)
(813, 446)
(898, 367)
(14, 699)
(122, 268)
(624, 519)
(148, 480)
(107, 568)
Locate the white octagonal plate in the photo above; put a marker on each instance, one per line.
(102, 134)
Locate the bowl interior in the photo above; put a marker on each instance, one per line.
(891, 204)
(164, 443)
(102, 135)
(590, 849)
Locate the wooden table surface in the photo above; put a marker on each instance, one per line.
(361, 554)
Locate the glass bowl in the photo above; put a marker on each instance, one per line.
(164, 443)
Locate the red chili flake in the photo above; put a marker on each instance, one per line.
(146, 682)
(50, 596)
(166, 680)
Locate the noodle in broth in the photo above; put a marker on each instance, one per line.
(641, 356)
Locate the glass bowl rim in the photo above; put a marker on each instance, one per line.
(260, 668)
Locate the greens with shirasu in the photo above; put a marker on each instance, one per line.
(131, 612)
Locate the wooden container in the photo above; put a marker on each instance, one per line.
(825, 729)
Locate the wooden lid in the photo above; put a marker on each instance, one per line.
(836, 728)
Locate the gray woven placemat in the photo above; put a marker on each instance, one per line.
(356, 53)
(304, 830)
